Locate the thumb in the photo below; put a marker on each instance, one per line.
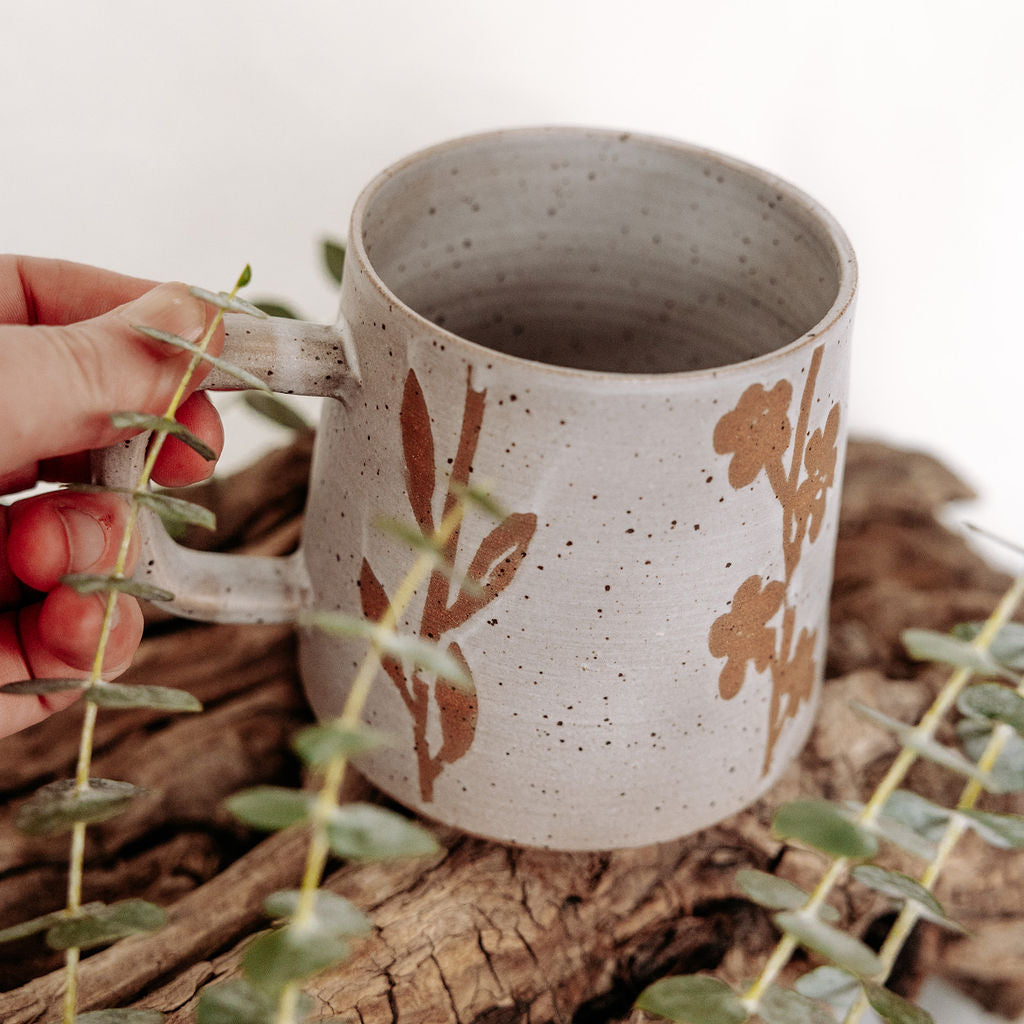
(59, 385)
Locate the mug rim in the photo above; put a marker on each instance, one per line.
(847, 271)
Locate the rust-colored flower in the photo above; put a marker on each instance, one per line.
(795, 677)
(757, 432)
(743, 633)
(820, 463)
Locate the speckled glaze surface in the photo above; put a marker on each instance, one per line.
(642, 347)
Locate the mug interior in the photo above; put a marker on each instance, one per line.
(601, 251)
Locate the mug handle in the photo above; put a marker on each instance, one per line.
(293, 358)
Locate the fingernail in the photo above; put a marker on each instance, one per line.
(87, 539)
(171, 308)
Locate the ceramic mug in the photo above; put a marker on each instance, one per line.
(642, 346)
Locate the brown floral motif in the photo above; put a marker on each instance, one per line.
(493, 568)
(758, 435)
(744, 635)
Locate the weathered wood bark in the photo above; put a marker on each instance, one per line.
(482, 932)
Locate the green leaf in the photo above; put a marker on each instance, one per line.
(994, 701)
(187, 346)
(475, 494)
(120, 1017)
(244, 277)
(106, 924)
(1008, 772)
(1007, 647)
(176, 512)
(902, 887)
(142, 421)
(279, 309)
(843, 950)
(276, 958)
(896, 831)
(274, 409)
(777, 894)
(41, 686)
(156, 698)
(90, 583)
(412, 649)
(318, 744)
(39, 924)
(693, 999)
(271, 808)
(831, 985)
(334, 259)
(58, 806)
(360, 831)
(927, 645)
(926, 747)
(332, 914)
(424, 545)
(893, 1008)
(925, 818)
(823, 826)
(229, 303)
(1005, 831)
(235, 1002)
(784, 1006)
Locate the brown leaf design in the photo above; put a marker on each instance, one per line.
(418, 448)
(375, 602)
(494, 566)
(458, 711)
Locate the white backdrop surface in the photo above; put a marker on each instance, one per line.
(183, 140)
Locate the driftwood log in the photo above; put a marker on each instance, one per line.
(482, 932)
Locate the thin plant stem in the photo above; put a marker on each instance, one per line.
(334, 771)
(892, 780)
(76, 859)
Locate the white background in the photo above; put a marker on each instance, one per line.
(182, 140)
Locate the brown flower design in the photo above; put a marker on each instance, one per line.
(796, 675)
(743, 635)
(820, 464)
(757, 432)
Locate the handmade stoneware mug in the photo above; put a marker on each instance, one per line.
(642, 347)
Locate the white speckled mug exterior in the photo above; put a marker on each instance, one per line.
(643, 348)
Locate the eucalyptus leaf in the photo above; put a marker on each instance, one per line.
(825, 827)
(413, 649)
(1007, 646)
(843, 950)
(176, 512)
(1008, 771)
(236, 1002)
(318, 744)
(993, 701)
(90, 583)
(831, 985)
(332, 914)
(272, 408)
(163, 425)
(894, 831)
(106, 924)
(284, 955)
(429, 546)
(1005, 831)
(475, 494)
(893, 1008)
(279, 309)
(59, 806)
(902, 887)
(271, 808)
(229, 303)
(156, 698)
(223, 365)
(334, 259)
(42, 686)
(244, 277)
(120, 1017)
(39, 924)
(784, 1006)
(693, 999)
(359, 831)
(778, 894)
(947, 649)
(926, 818)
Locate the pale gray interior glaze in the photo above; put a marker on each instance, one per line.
(602, 252)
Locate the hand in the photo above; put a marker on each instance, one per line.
(68, 359)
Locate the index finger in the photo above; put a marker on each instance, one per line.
(45, 291)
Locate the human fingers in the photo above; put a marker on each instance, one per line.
(85, 371)
(179, 465)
